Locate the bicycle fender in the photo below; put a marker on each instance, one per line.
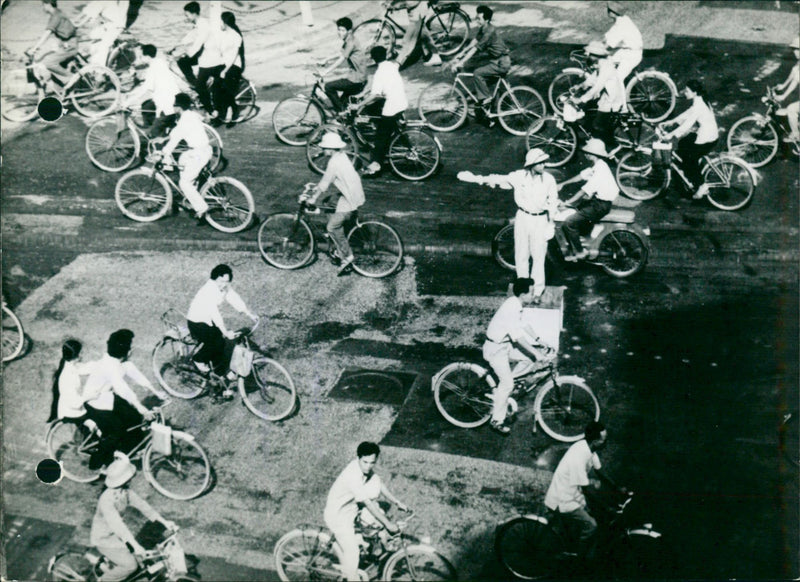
(643, 531)
(446, 6)
(754, 174)
(423, 547)
(185, 435)
(478, 369)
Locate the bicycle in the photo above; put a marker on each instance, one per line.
(539, 547)
(651, 94)
(311, 553)
(93, 91)
(289, 241)
(562, 407)
(445, 107)
(755, 138)
(267, 389)
(172, 461)
(145, 195)
(122, 60)
(166, 561)
(114, 144)
(730, 180)
(448, 26)
(13, 335)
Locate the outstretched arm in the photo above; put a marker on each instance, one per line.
(493, 180)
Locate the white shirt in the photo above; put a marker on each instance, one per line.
(229, 42)
(388, 83)
(205, 305)
(701, 115)
(115, 13)
(341, 173)
(189, 129)
(107, 376)
(212, 50)
(624, 34)
(533, 194)
(571, 474)
(600, 182)
(507, 322)
(197, 37)
(607, 85)
(70, 392)
(350, 488)
(161, 83)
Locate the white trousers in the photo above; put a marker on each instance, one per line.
(499, 357)
(345, 534)
(531, 234)
(626, 60)
(192, 161)
(103, 36)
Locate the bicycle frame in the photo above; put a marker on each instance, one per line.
(459, 80)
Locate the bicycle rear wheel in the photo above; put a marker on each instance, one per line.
(70, 566)
(19, 97)
(269, 391)
(503, 247)
(96, 92)
(318, 157)
(754, 139)
(215, 141)
(638, 178)
(112, 146)
(307, 554)
(527, 547)
(565, 407)
(519, 109)
(72, 445)
(142, 195)
(372, 33)
(230, 204)
(448, 29)
(463, 395)
(418, 563)
(13, 337)
(295, 119)
(730, 185)
(554, 137)
(377, 249)
(442, 106)
(183, 474)
(174, 371)
(561, 87)
(652, 95)
(245, 101)
(285, 241)
(414, 154)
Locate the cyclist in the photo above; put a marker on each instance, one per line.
(60, 27)
(231, 46)
(624, 39)
(353, 82)
(109, 533)
(211, 61)
(565, 495)
(697, 133)
(536, 196)
(111, 17)
(597, 193)
(417, 33)
(208, 327)
(487, 40)
(357, 485)
(506, 341)
(161, 85)
(193, 41)
(67, 385)
(605, 85)
(341, 173)
(789, 87)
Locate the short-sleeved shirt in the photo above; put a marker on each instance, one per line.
(624, 34)
(163, 85)
(600, 182)
(701, 115)
(611, 89)
(572, 473)
(356, 60)
(388, 83)
(205, 304)
(506, 324)
(106, 377)
(490, 42)
(341, 173)
(60, 25)
(533, 194)
(350, 488)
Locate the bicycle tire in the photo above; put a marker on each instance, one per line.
(463, 395)
(554, 137)
(13, 336)
(561, 86)
(638, 179)
(307, 554)
(96, 93)
(527, 547)
(503, 247)
(19, 97)
(443, 106)
(121, 60)
(448, 29)
(651, 94)
(215, 141)
(286, 241)
(70, 566)
(173, 370)
(414, 154)
(245, 99)
(318, 157)
(143, 195)
(519, 109)
(183, 474)
(110, 148)
(230, 204)
(72, 445)
(416, 562)
(730, 184)
(623, 253)
(295, 119)
(565, 407)
(754, 139)
(269, 391)
(377, 249)
(372, 33)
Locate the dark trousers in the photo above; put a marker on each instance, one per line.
(588, 213)
(201, 85)
(185, 64)
(690, 154)
(225, 90)
(385, 128)
(583, 527)
(339, 90)
(215, 350)
(495, 68)
(603, 127)
(115, 425)
(158, 125)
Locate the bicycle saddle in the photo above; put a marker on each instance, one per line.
(620, 215)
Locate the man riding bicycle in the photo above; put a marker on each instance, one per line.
(624, 40)
(192, 42)
(789, 88)
(603, 84)
(61, 28)
(161, 85)
(111, 17)
(352, 83)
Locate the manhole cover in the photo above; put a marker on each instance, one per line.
(383, 387)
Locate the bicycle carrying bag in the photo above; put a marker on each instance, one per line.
(241, 360)
(162, 438)
(662, 154)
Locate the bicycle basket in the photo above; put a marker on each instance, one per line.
(175, 557)
(162, 438)
(241, 360)
(174, 323)
(662, 154)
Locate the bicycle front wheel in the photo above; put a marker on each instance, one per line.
(174, 370)
(72, 445)
(377, 249)
(730, 184)
(448, 29)
(414, 154)
(565, 407)
(652, 95)
(230, 204)
(562, 85)
(294, 120)
(307, 554)
(143, 195)
(13, 335)
(71, 567)
(318, 157)
(418, 563)
(285, 241)
(112, 146)
(269, 391)
(183, 474)
(622, 253)
(443, 106)
(519, 109)
(374, 32)
(638, 178)
(463, 395)
(754, 139)
(527, 547)
(19, 97)
(503, 247)
(554, 137)
(96, 92)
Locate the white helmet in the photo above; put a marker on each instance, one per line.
(332, 141)
(595, 147)
(535, 156)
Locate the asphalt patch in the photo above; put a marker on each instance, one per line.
(378, 386)
(30, 543)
